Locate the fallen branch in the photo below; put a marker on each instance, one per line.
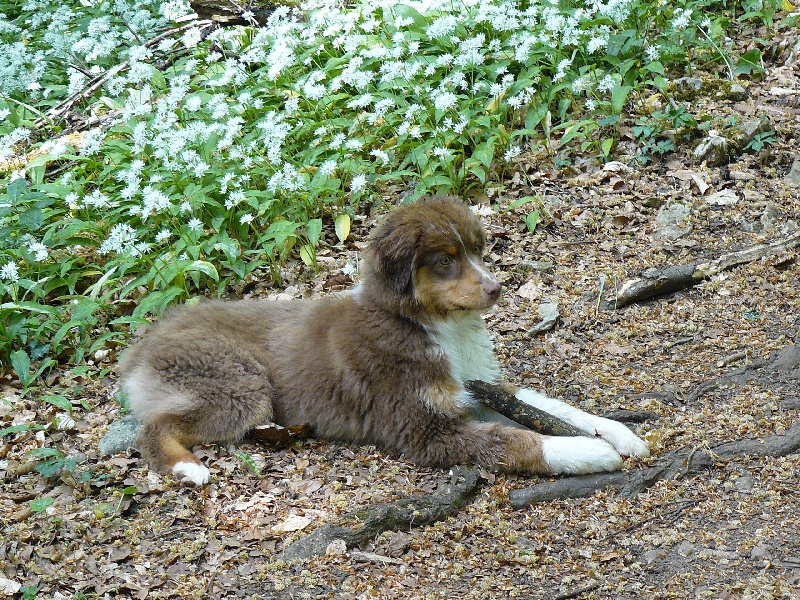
(369, 522)
(674, 465)
(657, 282)
(495, 397)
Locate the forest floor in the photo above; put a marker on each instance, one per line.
(115, 529)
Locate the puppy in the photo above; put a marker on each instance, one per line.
(383, 364)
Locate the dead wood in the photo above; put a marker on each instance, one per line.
(496, 398)
(657, 282)
(278, 437)
(674, 465)
(369, 522)
(228, 12)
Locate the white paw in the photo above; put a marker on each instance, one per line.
(189, 473)
(623, 439)
(615, 433)
(577, 455)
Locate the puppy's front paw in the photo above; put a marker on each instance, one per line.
(191, 474)
(578, 455)
(623, 439)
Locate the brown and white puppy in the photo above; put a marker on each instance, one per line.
(383, 364)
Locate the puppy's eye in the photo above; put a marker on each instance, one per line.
(446, 261)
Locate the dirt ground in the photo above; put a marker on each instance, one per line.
(114, 529)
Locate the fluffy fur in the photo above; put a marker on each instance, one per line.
(383, 364)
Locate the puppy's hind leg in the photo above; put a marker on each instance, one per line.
(164, 443)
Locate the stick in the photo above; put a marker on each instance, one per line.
(657, 282)
(496, 398)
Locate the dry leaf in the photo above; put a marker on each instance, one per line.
(293, 523)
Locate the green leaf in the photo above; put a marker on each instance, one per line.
(532, 220)
(618, 97)
(521, 202)
(58, 401)
(606, 145)
(44, 453)
(15, 189)
(313, 231)
(40, 504)
(204, 267)
(22, 365)
(342, 226)
(308, 254)
(15, 429)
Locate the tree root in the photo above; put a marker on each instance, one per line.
(674, 465)
(369, 522)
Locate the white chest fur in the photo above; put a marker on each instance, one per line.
(464, 340)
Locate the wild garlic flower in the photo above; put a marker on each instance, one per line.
(358, 183)
(9, 272)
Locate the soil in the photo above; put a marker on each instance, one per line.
(115, 529)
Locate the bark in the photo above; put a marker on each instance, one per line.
(674, 465)
(657, 282)
(368, 523)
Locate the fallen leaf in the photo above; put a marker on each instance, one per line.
(293, 523)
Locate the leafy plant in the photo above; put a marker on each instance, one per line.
(216, 156)
(761, 141)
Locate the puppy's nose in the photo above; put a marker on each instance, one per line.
(492, 289)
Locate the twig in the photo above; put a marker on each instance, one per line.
(578, 592)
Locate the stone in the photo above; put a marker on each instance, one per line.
(723, 198)
(548, 310)
(745, 132)
(121, 436)
(714, 150)
(668, 219)
(793, 176)
(737, 92)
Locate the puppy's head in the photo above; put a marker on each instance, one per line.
(430, 253)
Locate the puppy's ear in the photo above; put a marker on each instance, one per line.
(393, 247)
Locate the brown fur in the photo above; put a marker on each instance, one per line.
(360, 366)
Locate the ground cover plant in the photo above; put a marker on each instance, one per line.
(145, 160)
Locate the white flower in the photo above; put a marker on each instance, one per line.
(195, 224)
(652, 52)
(444, 100)
(39, 250)
(163, 236)
(193, 103)
(349, 268)
(441, 152)
(512, 152)
(328, 167)
(192, 37)
(246, 218)
(121, 238)
(377, 153)
(606, 84)
(358, 183)
(9, 272)
(442, 27)
(682, 19)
